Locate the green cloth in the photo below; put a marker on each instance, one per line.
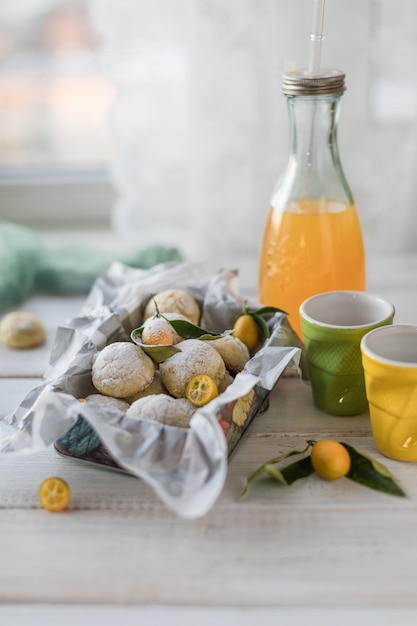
(28, 265)
(20, 252)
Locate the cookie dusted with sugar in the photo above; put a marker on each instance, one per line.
(174, 301)
(154, 388)
(21, 330)
(98, 401)
(122, 369)
(233, 352)
(194, 357)
(164, 409)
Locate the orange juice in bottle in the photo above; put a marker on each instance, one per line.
(312, 240)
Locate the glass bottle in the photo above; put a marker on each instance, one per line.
(312, 239)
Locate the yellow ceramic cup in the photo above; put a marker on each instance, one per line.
(389, 357)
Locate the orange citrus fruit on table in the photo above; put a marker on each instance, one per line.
(246, 329)
(54, 494)
(330, 459)
(201, 389)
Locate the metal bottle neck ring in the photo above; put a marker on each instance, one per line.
(303, 83)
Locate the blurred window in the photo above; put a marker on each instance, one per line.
(54, 105)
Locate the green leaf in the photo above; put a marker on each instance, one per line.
(298, 469)
(368, 472)
(379, 467)
(263, 326)
(136, 336)
(268, 469)
(187, 330)
(159, 354)
(272, 471)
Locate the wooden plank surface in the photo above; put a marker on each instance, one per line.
(13, 615)
(302, 552)
(117, 543)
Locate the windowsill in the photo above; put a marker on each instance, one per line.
(62, 203)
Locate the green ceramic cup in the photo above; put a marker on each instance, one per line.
(333, 324)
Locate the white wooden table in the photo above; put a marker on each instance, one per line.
(315, 552)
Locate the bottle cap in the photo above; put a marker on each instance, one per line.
(304, 83)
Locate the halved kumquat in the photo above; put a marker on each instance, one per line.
(54, 494)
(201, 389)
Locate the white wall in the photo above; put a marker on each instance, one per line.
(375, 42)
(201, 144)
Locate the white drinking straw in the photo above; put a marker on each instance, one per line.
(316, 37)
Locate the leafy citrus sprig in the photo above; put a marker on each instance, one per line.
(369, 472)
(269, 469)
(364, 470)
(187, 330)
(259, 316)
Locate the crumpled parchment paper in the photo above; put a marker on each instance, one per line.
(186, 467)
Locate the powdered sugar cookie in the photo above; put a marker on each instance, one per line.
(154, 388)
(164, 409)
(21, 330)
(122, 369)
(106, 402)
(174, 301)
(225, 382)
(194, 357)
(233, 352)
